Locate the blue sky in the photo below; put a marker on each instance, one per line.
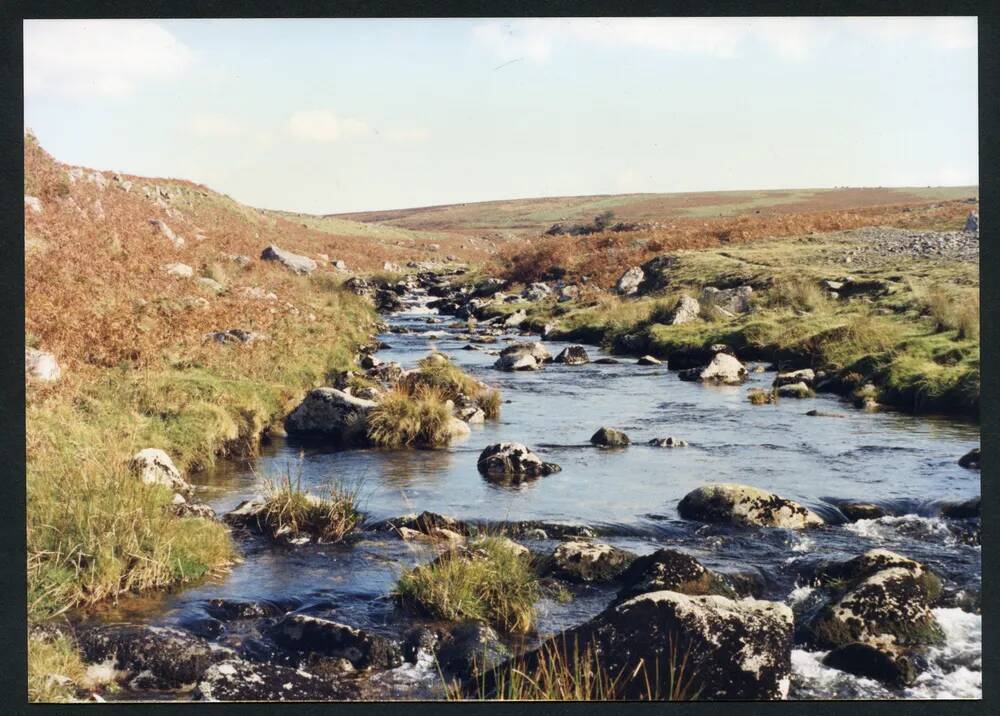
(347, 115)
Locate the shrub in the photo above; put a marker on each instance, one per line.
(490, 582)
(417, 417)
(560, 673)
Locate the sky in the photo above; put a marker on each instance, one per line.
(327, 116)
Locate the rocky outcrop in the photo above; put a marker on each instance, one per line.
(241, 680)
(723, 370)
(588, 561)
(331, 413)
(154, 467)
(745, 505)
(314, 635)
(149, 657)
(513, 460)
(40, 366)
(609, 437)
(739, 650)
(573, 355)
(295, 262)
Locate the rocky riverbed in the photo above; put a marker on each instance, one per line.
(797, 550)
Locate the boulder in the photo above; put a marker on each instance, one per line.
(724, 369)
(855, 511)
(241, 680)
(469, 649)
(573, 355)
(151, 657)
(513, 459)
(331, 413)
(746, 506)
(41, 366)
(211, 284)
(963, 510)
(656, 273)
(890, 666)
(668, 442)
(730, 300)
(179, 270)
(971, 459)
(972, 222)
(537, 292)
(457, 429)
(629, 282)
(687, 309)
(315, 635)
(154, 467)
(794, 390)
(167, 233)
(295, 262)
(609, 437)
(587, 561)
(33, 204)
(731, 650)
(668, 569)
(649, 360)
(522, 356)
(806, 375)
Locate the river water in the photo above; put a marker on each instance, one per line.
(629, 497)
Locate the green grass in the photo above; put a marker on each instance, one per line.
(288, 507)
(416, 417)
(495, 585)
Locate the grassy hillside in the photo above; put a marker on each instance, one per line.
(533, 216)
(138, 371)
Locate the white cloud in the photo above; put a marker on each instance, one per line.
(83, 59)
(214, 125)
(323, 125)
(790, 38)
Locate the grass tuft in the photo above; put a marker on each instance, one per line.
(404, 417)
(490, 583)
(55, 668)
(287, 507)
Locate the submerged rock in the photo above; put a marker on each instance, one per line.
(513, 459)
(315, 635)
(151, 657)
(331, 413)
(609, 437)
(855, 511)
(295, 262)
(971, 459)
(587, 561)
(649, 360)
(745, 505)
(573, 355)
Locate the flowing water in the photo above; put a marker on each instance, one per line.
(629, 497)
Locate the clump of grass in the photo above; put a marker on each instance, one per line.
(410, 417)
(215, 272)
(797, 294)
(289, 508)
(863, 335)
(489, 582)
(559, 673)
(441, 374)
(953, 310)
(489, 401)
(55, 668)
(760, 396)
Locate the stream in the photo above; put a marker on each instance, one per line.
(907, 464)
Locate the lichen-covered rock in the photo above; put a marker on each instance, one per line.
(425, 523)
(794, 390)
(151, 656)
(687, 309)
(331, 413)
(517, 357)
(729, 300)
(154, 467)
(885, 601)
(295, 262)
(724, 369)
(890, 666)
(732, 650)
(587, 561)
(470, 648)
(745, 505)
(628, 283)
(668, 569)
(315, 635)
(240, 680)
(41, 366)
(573, 355)
(609, 437)
(513, 459)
